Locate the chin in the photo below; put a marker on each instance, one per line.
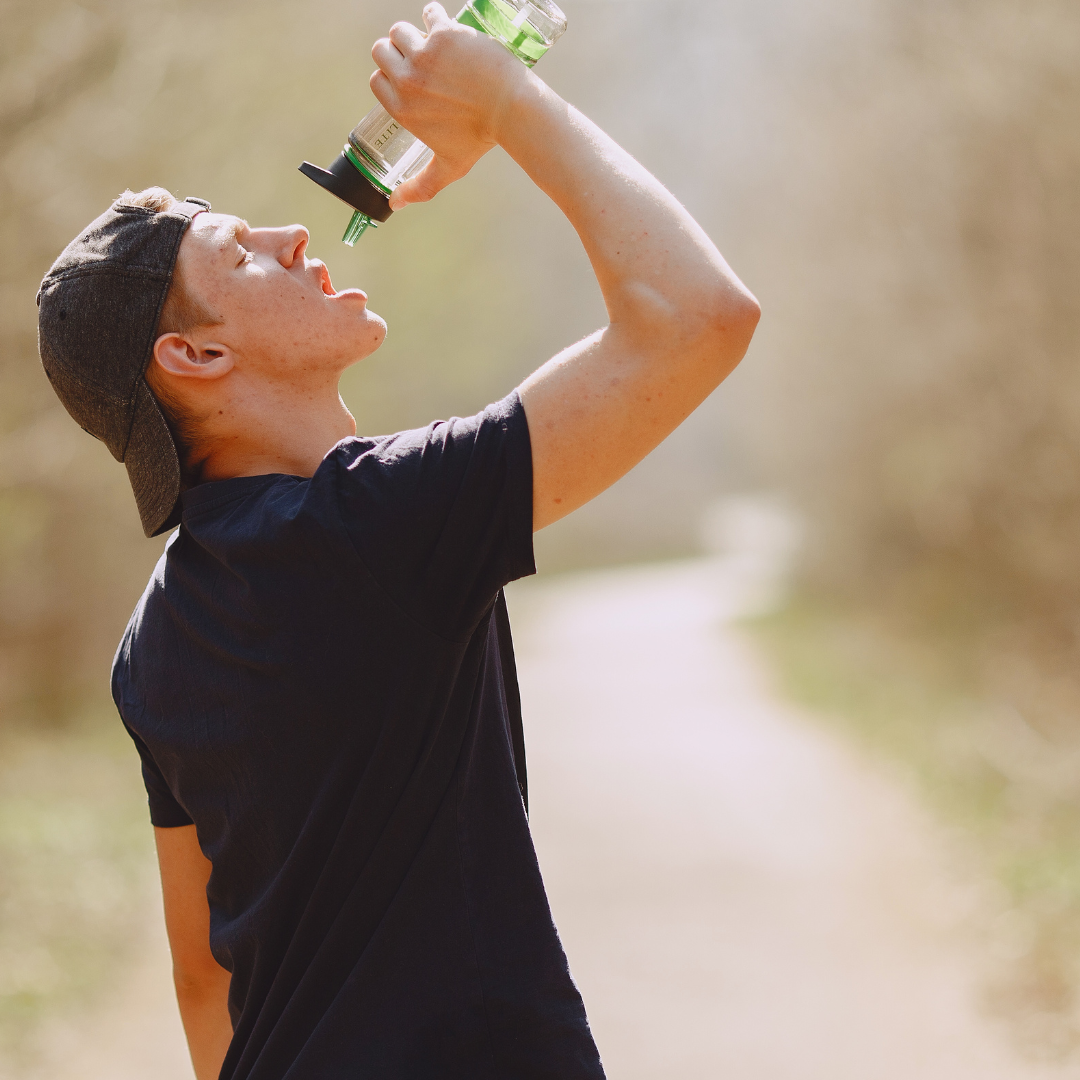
(366, 338)
(378, 327)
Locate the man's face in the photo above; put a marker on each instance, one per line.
(279, 313)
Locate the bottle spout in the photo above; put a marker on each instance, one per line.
(351, 186)
(358, 225)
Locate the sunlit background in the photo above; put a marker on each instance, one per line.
(898, 181)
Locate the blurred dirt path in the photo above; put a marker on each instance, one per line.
(741, 896)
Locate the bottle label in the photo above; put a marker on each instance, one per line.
(387, 133)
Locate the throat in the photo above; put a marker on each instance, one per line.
(292, 441)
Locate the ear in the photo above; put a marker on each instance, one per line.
(192, 358)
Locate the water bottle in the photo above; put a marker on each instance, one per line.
(381, 154)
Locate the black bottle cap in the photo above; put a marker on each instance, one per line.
(351, 186)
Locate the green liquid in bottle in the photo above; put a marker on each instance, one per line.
(512, 28)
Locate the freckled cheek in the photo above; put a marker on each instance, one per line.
(294, 313)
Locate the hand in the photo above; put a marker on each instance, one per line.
(452, 88)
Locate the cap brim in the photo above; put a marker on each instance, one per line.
(153, 465)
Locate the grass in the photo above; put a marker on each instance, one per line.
(912, 699)
(76, 861)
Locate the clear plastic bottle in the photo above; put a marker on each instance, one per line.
(381, 154)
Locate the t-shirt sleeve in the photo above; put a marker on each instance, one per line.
(442, 516)
(165, 811)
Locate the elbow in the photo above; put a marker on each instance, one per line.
(737, 318)
(729, 327)
(751, 313)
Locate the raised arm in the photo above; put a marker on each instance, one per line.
(680, 320)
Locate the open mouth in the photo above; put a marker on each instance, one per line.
(327, 284)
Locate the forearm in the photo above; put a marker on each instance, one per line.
(461, 93)
(679, 319)
(204, 1011)
(655, 266)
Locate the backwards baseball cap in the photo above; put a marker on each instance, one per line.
(98, 311)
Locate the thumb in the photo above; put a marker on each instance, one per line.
(435, 16)
(426, 184)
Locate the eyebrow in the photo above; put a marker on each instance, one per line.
(232, 231)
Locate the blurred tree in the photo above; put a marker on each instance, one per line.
(51, 514)
(223, 102)
(897, 182)
(925, 402)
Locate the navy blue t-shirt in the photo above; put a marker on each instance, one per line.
(320, 677)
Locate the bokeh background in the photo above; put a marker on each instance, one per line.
(898, 181)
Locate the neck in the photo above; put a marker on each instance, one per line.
(270, 429)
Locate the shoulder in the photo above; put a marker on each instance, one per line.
(450, 441)
(138, 625)
(441, 515)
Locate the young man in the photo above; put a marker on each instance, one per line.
(319, 678)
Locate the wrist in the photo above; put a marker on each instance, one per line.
(522, 103)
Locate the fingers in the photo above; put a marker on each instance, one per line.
(406, 38)
(426, 184)
(435, 16)
(389, 58)
(384, 91)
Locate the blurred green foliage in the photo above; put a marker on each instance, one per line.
(897, 181)
(78, 873)
(986, 772)
(925, 403)
(224, 101)
(920, 402)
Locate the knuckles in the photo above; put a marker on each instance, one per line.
(412, 81)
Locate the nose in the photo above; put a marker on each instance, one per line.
(288, 243)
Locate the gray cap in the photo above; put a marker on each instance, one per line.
(98, 311)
